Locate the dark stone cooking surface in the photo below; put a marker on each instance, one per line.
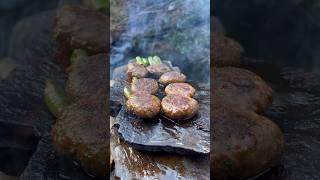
(161, 134)
(133, 164)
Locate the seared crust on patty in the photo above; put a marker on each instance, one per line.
(183, 89)
(158, 69)
(172, 77)
(144, 105)
(240, 88)
(81, 132)
(179, 107)
(147, 85)
(224, 51)
(136, 70)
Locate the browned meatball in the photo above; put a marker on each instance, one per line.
(144, 105)
(224, 51)
(183, 89)
(80, 27)
(87, 77)
(81, 133)
(158, 69)
(243, 144)
(241, 89)
(146, 85)
(179, 107)
(136, 70)
(172, 77)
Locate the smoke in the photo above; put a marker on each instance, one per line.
(175, 30)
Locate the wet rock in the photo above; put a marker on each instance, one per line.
(243, 144)
(141, 134)
(133, 164)
(240, 89)
(160, 134)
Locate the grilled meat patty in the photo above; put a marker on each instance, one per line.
(136, 70)
(87, 77)
(179, 107)
(183, 89)
(81, 132)
(172, 77)
(158, 69)
(243, 144)
(144, 105)
(80, 27)
(146, 85)
(240, 89)
(224, 51)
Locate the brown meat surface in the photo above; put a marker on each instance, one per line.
(87, 77)
(136, 70)
(182, 89)
(243, 144)
(158, 69)
(144, 105)
(81, 132)
(240, 89)
(224, 51)
(172, 77)
(146, 85)
(80, 27)
(179, 107)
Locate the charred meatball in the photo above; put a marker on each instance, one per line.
(81, 132)
(183, 89)
(87, 77)
(146, 85)
(136, 70)
(243, 144)
(241, 89)
(225, 51)
(172, 77)
(158, 69)
(144, 105)
(80, 27)
(179, 107)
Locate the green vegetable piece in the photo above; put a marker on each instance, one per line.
(55, 97)
(157, 59)
(78, 55)
(127, 92)
(151, 61)
(102, 4)
(145, 62)
(139, 60)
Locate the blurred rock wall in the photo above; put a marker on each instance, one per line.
(11, 11)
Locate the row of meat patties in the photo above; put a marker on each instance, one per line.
(244, 143)
(178, 103)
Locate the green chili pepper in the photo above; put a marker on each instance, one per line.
(127, 92)
(55, 97)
